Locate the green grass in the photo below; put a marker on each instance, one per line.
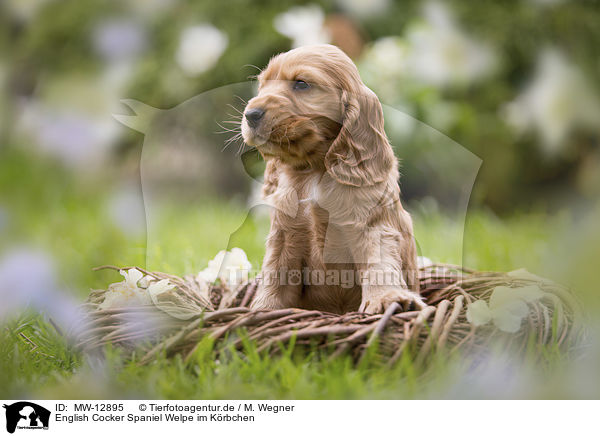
(47, 208)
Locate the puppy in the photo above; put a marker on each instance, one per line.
(340, 239)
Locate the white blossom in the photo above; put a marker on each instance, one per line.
(440, 53)
(434, 51)
(506, 309)
(24, 10)
(231, 267)
(126, 293)
(303, 25)
(557, 100)
(200, 47)
(159, 287)
(389, 54)
(384, 65)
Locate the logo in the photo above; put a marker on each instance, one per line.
(26, 415)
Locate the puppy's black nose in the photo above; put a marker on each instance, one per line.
(253, 116)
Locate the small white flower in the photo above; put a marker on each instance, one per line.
(211, 272)
(160, 287)
(24, 10)
(442, 54)
(507, 307)
(303, 25)
(423, 261)
(231, 267)
(126, 293)
(558, 99)
(478, 313)
(132, 277)
(200, 47)
(384, 64)
(389, 54)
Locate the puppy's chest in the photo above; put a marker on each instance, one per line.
(317, 200)
(295, 202)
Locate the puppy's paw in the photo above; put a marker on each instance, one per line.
(263, 301)
(378, 301)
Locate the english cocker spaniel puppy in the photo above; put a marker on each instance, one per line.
(340, 239)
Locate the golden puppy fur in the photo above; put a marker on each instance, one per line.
(332, 178)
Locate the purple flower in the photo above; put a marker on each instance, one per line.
(117, 40)
(27, 280)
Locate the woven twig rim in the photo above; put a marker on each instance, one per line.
(447, 289)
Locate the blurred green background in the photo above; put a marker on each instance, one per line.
(511, 85)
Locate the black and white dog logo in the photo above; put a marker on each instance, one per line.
(26, 415)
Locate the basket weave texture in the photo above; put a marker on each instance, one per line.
(176, 323)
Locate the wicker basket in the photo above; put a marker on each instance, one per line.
(177, 324)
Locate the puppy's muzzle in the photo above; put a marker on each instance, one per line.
(253, 117)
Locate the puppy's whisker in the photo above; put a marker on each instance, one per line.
(236, 109)
(241, 99)
(253, 66)
(231, 140)
(226, 129)
(240, 148)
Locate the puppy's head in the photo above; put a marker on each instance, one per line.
(312, 110)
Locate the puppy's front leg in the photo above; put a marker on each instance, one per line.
(281, 284)
(380, 265)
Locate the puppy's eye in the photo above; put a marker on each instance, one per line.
(300, 85)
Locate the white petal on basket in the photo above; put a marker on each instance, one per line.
(531, 293)
(507, 307)
(165, 298)
(508, 322)
(132, 276)
(478, 313)
(527, 294)
(176, 305)
(124, 297)
(231, 267)
(157, 288)
(126, 293)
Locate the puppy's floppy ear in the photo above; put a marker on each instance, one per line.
(361, 155)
